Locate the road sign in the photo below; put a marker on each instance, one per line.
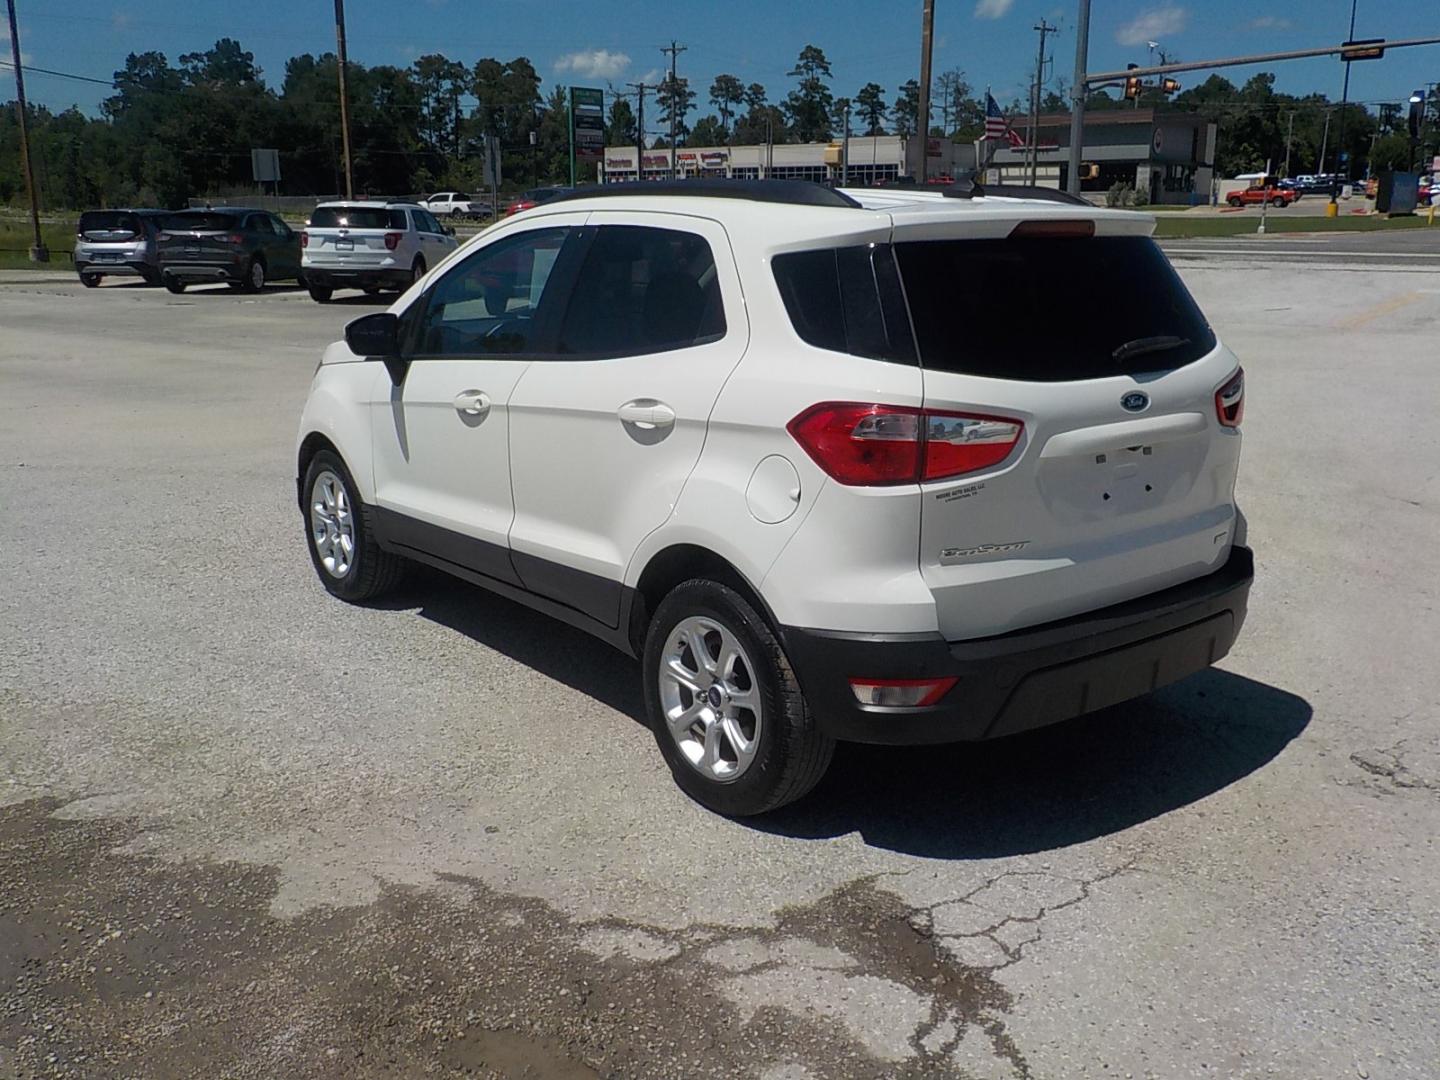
(1363, 49)
(265, 166)
(491, 162)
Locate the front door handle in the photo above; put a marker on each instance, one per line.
(647, 414)
(472, 402)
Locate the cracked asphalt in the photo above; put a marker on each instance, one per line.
(247, 831)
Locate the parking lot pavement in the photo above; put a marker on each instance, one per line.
(248, 830)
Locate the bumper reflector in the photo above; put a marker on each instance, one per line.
(901, 693)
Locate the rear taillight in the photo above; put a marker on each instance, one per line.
(1230, 401)
(304, 239)
(867, 444)
(392, 240)
(902, 693)
(235, 238)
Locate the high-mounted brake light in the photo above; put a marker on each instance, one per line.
(1030, 230)
(902, 693)
(392, 240)
(1230, 401)
(866, 444)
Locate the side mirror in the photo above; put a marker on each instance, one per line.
(449, 230)
(378, 335)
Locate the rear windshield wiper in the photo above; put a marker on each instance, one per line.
(1141, 346)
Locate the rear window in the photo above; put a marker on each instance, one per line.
(847, 300)
(202, 221)
(357, 217)
(109, 221)
(1050, 309)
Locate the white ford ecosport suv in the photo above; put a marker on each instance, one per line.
(891, 467)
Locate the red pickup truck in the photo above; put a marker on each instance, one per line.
(1254, 196)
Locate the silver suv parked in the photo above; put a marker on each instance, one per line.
(118, 243)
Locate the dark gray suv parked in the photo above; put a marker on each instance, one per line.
(243, 248)
(118, 243)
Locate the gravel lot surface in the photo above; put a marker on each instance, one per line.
(247, 830)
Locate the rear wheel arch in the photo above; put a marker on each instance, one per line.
(679, 563)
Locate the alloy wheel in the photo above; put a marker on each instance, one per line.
(710, 697)
(332, 524)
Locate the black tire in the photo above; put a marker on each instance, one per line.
(90, 281)
(417, 270)
(1237, 203)
(248, 283)
(174, 284)
(1277, 201)
(792, 753)
(372, 572)
(321, 294)
(150, 277)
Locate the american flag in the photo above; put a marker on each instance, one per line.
(996, 126)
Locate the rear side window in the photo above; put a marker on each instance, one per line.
(1050, 309)
(202, 221)
(110, 224)
(357, 217)
(643, 290)
(847, 300)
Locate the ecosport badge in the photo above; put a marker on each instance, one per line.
(954, 555)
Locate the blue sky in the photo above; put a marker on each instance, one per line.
(600, 41)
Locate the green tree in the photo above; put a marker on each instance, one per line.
(708, 131)
(441, 83)
(674, 98)
(620, 131)
(809, 106)
(727, 93)
(907, 108)
(755, 96)
(870, 108)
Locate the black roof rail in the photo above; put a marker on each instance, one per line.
(792, 192)
(967, 188)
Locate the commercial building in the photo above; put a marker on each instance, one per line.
(1168, 156)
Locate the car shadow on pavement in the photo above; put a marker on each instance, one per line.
(1061, 785)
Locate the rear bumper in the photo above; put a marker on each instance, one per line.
(122, 269)
(1027, 679)
(358, 278)
(205, 271)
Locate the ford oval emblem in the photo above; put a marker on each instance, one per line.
(1135, 401)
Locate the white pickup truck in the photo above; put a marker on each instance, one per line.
(455, 204)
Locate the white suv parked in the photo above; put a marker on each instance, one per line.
(888, 467)
(370, 246)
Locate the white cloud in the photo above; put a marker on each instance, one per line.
(653, 77)
(993, 9)
(1269, 22)
(594, 63)
(1153, 25)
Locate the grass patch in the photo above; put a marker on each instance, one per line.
(16, 238)
(1248, 221)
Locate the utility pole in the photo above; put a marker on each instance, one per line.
(38, 251)
(640, 89)
(1077, 96)
(1034, 149)
(1324, 143)
(1289, 134)
(344, 96)
(922, 121)
(1340, 139)
(674, 49)
(844, 104)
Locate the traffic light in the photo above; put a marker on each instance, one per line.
(1169, 86)
(1417, 113)
(1132, 84)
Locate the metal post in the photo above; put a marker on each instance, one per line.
(1324, 143)
(640, 89)
(1077, 96)
(1289, 134)
(1265, 201)
(845, 145)
(922, 121)
(344, 97)
(38, 251)
(1344, 99)
(570, 126)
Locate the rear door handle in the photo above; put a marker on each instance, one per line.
(472, 402)
(647, 414)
